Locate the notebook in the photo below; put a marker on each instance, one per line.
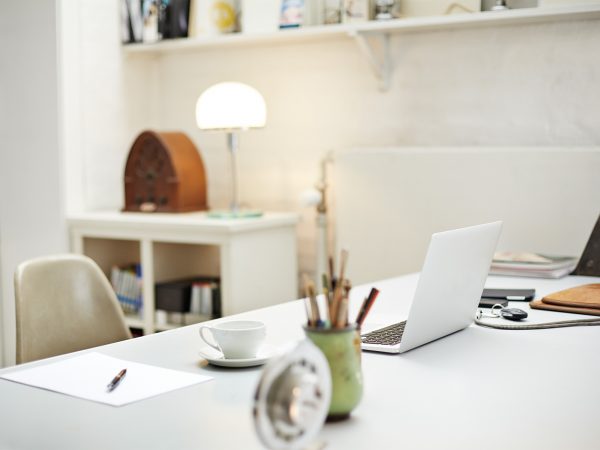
(448, 291)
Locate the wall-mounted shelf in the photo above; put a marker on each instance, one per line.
(481, 19)
(380, 63)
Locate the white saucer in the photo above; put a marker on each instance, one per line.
(216, 358)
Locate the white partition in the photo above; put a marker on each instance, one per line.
(388, 201)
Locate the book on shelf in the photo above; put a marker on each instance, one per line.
(203, 298)
(126, 30)
(527, 264)
(133, 21)
(127, 283)
(188, 300)
(150, 21)
(179, 302)
(174, 23)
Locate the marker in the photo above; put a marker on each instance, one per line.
(366, 306)
(361, 311)
(116, 380)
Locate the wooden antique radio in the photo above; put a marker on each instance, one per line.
(164, 173)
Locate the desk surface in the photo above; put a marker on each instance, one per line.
(478, 388)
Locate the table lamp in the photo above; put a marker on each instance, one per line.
(231, 107)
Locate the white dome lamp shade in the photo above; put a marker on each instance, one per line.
(231, 107)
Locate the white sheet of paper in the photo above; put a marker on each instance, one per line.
(87, 376)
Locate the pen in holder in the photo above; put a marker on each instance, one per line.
(341, 347)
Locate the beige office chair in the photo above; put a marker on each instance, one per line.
(64, 303)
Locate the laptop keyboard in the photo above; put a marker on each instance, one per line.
(391, 335)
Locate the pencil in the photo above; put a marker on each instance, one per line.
(325, 282)
(308, 313)
(307, 302)
(342, 313)
(331, 274)
(327, 304)
(335, 304)
(337, 292)
(344, 260)
(347, 286)
(343, 307)
(316, 317)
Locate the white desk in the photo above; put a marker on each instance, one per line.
(478, 388)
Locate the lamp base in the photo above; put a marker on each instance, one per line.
(229, 214)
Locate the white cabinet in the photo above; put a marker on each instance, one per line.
(255, 258)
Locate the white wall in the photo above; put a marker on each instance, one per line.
(106, 100)
(511, 85)
(398, 192)
(31, 206)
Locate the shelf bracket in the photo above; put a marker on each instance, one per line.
(379, 61)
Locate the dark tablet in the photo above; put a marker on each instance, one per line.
(523, 295)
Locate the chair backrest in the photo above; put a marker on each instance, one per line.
(64, 303)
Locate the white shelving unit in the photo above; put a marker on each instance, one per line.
(255, 258)
(364, 33)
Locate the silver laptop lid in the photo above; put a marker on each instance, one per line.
(450, 284)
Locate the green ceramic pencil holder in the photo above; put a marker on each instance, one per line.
(341, 348)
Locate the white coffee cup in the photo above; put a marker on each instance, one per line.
(236, 339)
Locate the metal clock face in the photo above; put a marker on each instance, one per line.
(292, 398)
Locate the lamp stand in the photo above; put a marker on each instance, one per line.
(233, 145)
(234, 211)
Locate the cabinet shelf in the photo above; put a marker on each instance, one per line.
(138, 322)
(254, 258)
(397, 26)
(134, 321)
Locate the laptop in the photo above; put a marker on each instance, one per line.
(448, 290)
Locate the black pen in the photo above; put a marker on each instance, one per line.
(116, 380)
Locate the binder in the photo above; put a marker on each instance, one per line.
(589, 263)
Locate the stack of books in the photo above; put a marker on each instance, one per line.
(524, 264)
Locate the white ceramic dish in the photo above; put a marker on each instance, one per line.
(216, 358)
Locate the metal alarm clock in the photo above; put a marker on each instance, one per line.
(292, 398)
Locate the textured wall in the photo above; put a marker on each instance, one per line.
(117, 99)
(511, 85)
(31, 176)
